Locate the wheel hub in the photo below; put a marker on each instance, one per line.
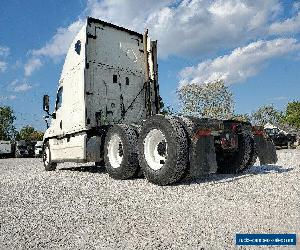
(115, 151)
(155, 149)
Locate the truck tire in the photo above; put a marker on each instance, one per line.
(163, 150)
(17, 155)
(253, 154)
(48, 164)
(237, 161)
(120, 152)
(190, 128)
(100, 164)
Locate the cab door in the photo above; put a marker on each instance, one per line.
(58, 111)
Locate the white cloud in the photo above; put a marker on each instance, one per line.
(296, 6)
(196, 27)
(126, 13)
(55, 48)
(240, 64)
(183, 28)
(3, 66)
(17, 64)
(187, 27)
(4, 51)
(14, 83)
(191, 27)
(32, 65)
(278, 98)
(18, 86)
(22, 87)
(10, 97)
(288, 26)
(60, 42)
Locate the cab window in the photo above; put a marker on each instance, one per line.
(59, 98)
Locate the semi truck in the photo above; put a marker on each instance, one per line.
(6, 149)
(38, 149)
(107, 111)
(22, 149)
(280, 137)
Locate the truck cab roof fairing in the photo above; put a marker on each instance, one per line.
(94, 20)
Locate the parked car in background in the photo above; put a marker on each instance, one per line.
(21, 149)
(38, 149)
(31, 148)
(280, 137)
(6, 149)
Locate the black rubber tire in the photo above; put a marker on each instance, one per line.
(190, 128)
(253, 155)
(237, 161)
(129, 166)
(51, 166)
(189, 125)
(177, 150)
(100, 163)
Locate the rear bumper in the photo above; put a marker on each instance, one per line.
(209, 137)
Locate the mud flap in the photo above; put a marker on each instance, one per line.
(266, 150)
(202, 156)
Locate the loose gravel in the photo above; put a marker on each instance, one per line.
(80, 207)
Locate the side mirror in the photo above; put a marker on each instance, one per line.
(46, 103)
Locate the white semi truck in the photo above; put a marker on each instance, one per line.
(38, 149)
(6, 149)
(107, 110)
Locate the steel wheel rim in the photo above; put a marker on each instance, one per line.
(152, 142)
(115, 152)
(47, 156)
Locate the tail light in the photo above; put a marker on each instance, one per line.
(229, 143)
(258, 130)
(223, 142)
(202, 133)
(234, 127)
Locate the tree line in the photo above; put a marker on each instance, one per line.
(8, 131)
(215, 100)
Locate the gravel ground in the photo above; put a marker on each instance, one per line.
(80, 207)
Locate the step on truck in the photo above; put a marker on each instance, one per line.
(107, 111)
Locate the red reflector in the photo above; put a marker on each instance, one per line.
(234, 126)
(201, 133)
(233, 142)
(258, 132)
(205, 132)
(223, 141)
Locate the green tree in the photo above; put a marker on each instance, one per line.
(292, 117)
(7, 119)
(165, 110)
(241, 117)
(29, 133)
(212, 100)
(267, 114)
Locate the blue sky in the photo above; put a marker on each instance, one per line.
(252, 45)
